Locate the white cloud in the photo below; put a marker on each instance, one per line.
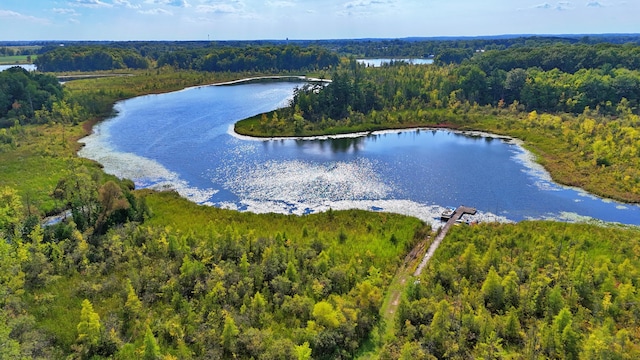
(18, 16)
(564, 5)
(365, 3)
(176, 3)
(281, 3)
(126, 4)
(595, 4)
(90, 3)
(560, 6)
(219, 9)
(156, 12)
(71, 12)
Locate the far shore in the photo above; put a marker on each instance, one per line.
(89, 124)
(260, 79)
(88, 127)
(355, 134)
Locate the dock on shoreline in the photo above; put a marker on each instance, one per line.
(457, 214)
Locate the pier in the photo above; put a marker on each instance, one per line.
(457, 214)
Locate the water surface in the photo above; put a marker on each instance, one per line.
(28, 67)
(380, 62)
(183, 141)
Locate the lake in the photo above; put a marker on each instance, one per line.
(184, 141)
(380, 62)
(28, 67)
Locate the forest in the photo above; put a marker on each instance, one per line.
(265, 58)
(89, 58)
(127, 273)
(217, 59)
(27, 97)
(532, 290)
(185, 281)
(565, 58)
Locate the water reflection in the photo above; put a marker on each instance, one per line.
(413, 172)
(338, 145)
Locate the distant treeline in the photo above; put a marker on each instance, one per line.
(266, 58)
(90, 58)
(17, 51)
(285, 55)
(219, 59)
(566, 58)
(434, 47)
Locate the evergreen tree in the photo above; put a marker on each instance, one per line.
(151, 347)
(493, 291)
(229, 335)
(89, 329)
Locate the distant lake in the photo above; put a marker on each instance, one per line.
(379, 62)
(184, 141)
(28, 67)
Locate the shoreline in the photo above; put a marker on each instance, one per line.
(470, 133)
(425, 212)
(528, 158)
(260, 79)
(88, 128)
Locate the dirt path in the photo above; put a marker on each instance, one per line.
(392, 300)
(400, 280)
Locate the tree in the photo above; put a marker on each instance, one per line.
(413, 351)
(132, 306)
(9, 348)
(258, 308)
(440, 328)
(491, 348)
(111, 199)
(11, 212)
(566, 339)
(303, 352)
(326, 316)
(469, 263)
(89, 329)
(229, 337)
(151, 347)
(493, 292)
(512, 330)
(514, 83)
(79, 191)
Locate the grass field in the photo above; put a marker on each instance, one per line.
(40, 156)
(19, 59)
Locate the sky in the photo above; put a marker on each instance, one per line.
(308, 19)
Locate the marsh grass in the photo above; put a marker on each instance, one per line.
(364, 234)
(39, 156)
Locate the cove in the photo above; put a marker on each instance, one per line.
(184, 141)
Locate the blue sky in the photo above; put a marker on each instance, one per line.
(307, 19)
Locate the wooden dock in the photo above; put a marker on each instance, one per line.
(460, 211)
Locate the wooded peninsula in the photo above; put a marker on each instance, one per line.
(132, 273)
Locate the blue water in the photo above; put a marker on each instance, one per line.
(28, 67)
(379, 62)
(183, 141)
